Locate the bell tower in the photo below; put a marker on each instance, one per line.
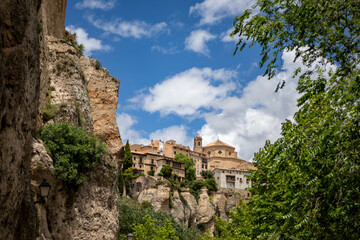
(198, 144)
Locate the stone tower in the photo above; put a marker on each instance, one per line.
(198, 144)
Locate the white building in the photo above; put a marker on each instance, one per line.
(237, 179)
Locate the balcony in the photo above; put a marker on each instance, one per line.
(230, 178)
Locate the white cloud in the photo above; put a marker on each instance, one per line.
(166, 51)
(136, 29)
(177, 133)
(125, 123)
(197, 41)
(248, 120)
(90, 44)
(212, 11)
(186, 92)
(96, 4)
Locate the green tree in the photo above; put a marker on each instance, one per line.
(72, 150)
(307, 182)
(207, 174)
(166, 171)
(313, 28)
(127, 162)
(149, 231)
(190, 171)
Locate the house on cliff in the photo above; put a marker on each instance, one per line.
(217, 156)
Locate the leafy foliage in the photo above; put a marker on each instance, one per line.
(190, 171)
(148, 230)
(307, 182)
(313, 28)
(211, 184)
(131, 214)
(71, 39)
(151, 172)
(72, 150)
(166, 171)
(207, 174)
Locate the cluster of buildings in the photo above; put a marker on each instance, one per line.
(229, 170)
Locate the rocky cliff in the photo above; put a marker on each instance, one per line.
(182, 205)
(89, 211)
(103, 92)
(19, 94)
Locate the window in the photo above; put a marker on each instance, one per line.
(205, 166)
(134, 158)
(198, 143)
(140, 160)
(174, 152)
(218, 178)
(140, 166)
(134, 165)
(248, 194)
(209, 153)
(247, 181)
(151, 168)
(152, 161)
(219, 152)
(168, 162)
(240, 180)
(202, 166)
(229, 153)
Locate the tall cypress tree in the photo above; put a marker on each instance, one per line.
(127, 162)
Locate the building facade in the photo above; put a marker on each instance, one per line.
(216, 155)
(232, 178)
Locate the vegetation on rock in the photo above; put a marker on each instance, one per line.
(166, 171)
(131, 215)
(190, 171)
(72, 150)
(71, 39)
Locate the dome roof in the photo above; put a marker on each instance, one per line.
(218, 143)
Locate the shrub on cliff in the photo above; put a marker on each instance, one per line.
(131, 214)
(72, 150)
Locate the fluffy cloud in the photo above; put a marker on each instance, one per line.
(197, 41)
(186, 92)
(90, 44)
(96, 4)
(212, 11)
(246, 121)
(136, 29)
(125, 123)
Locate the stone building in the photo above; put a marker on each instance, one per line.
(216, 155)
(232, 178)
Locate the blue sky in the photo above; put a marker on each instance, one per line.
(178, 75)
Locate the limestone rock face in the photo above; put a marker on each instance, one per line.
(19, 94)
(184, 207)
(205, 210)
(68, 95)
(88, 211)
(103, 91)
(52, 17)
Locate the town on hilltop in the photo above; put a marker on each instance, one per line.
(229, 170)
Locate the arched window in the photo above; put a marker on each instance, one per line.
(198, 143)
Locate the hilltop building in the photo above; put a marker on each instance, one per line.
(230, 171)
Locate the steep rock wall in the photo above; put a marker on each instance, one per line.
(89, 211)
(85, 212)
(184, 207)
(19, 93)
(103, 92)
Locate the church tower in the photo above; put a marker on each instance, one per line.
(198, 144)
